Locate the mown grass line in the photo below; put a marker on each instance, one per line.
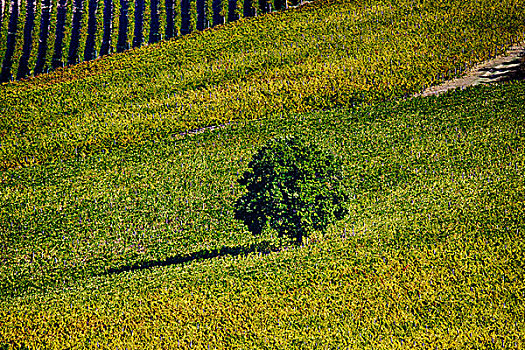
(325, 55)
(430, 255)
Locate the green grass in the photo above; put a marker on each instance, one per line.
(326, 55)
(431, 254)
(122, 235)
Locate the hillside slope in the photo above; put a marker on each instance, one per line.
(124, 250)
(328, 54)
(116, 225)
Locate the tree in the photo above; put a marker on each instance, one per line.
(56, 61)
(292, 188)
(23, 68)
(122, 41)
(78, 8)
(154, 35)
(185, 17)
(45, 21)
(12, 28)
(139, 23)
(89, 49)
(108, 27)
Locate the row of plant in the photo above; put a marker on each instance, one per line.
(430, 255)
(39, 36)
(326, 55)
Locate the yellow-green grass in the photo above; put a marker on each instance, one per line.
(430, 256)
(329, 54)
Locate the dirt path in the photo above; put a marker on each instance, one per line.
(499, 69)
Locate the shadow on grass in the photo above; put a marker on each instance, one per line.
(264, 247)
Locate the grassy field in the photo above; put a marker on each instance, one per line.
(325, 55)
(432, 252)
(131, 242)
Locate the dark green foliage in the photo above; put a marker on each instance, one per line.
(293, 188)
(170, 19)
(248, 10)
(218, 18)
(232, 11)
(279, 4)
(14, 347)
(264, 6)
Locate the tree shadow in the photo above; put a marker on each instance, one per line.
(263, 247)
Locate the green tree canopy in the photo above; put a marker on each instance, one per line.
(292, 187)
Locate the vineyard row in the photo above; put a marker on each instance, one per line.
(103, 27)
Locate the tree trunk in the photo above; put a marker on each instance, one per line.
(170, 16)
(122, 41)
(154, 35)
(232, 11)
(185, 17)
(56, 61)
(45, 20)
(78, 7)
(139, 23)
(201, 14)
(217, 8)
(248, 10)
(23, 69)
(5, 75)
(89, 49)
(108, 27)
(263, 6)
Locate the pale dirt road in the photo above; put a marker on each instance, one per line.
(502, 68)
(511, 66)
